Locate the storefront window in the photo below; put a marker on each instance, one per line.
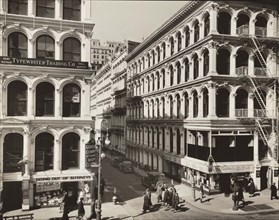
(70, 151)
(13, 152)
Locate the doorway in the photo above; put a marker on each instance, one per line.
(264, 170)
(12, 196)
(72, 189)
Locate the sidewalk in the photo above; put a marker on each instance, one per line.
(218, 203)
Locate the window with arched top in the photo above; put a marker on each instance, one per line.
(171, 75)
(241, 103)
(171, 46)
(223, 62)
(44, 152)
(17, 45)
(152, 109)
(148, 60)
(158, 108)
(153, 57)
(163, 108)
(71, 10)
(164, 50)
(187, 36)
(224, 23)
(171, 106)
(71, 49)
(196, 32)
(171, 140)
(179, 41)
(45, 47)
(205, 63)
(163, 139)
(206, 25)
(148, 84)
(158, 54)
(178, 141)
(195, 104)
(45, 99)
(242, 24)
(178, 69)
(70, 151)
(186, 105)
(153, 82)
(222, 102)
(261, 26)
(71, 100)
(186, 69)
(17, 98)
(163, 79)
(242, 62)
(178, 106)
(196, 66)
(158, 80)
(148, 109)
(205, 103)
(12, 152)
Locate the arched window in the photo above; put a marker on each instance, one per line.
(153, 82)
(45, 99)
(196, 66)
(163, 78)
(171, 46)
(260, 66)
(71, 10)
(12, 152)
(223, 62)
(222, 103)
(148, 136)
(179, 41)
(17, 45)
(158, 80)
(178, 68)
(45, 47)
(153, 57)
(44, 143)
(171, 106)
(196, 32)
(158, 138)
(224, 23)
(71, 100)
(178, 141)
(17, 7)
(241, 103)
(178, 106)
(242, 24)
(164, 50)
(187, 69)
(158, 108)
(163, 108)
(186, 105)
(187, 36)
(70, 151)
(242, 62)
(17, 98)
(163, 139)
(171, 75)
(158, 54)
(206, 26)
(205, 103)
(148, 84)
(148, 109)
(171, 140)
(148, 60)
(260, 26)
(205, 63)
(71, 49)
(152, 109)
(142, 83)
(195, 104)
(45, 8)
(143, 63)
(152, 137)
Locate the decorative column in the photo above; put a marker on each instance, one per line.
(58, 9)
(191, 108)
(212, 100)
(200, 73)
(233, 25)
(57, 156)
(213, 14)
(232, 105)
(30, 8)
(233, 64)
(250, 105)
(58, 103)
(251, 69)
(30, 47)
(252, 27)
(200, 110)
(160, 164)
(30, 102)
(212, 58)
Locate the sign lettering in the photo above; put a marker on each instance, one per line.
(62, 178)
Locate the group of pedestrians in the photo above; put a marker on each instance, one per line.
(167, 196)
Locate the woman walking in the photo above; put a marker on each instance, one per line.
(81, 211)
(240, 196)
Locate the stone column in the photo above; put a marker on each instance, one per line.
(212, 100)
(191, 108)
(31, 8)
(233, 65)
(57, 157)
(200, 110)
(232, 105)
(58, 103)
(213, 14)
(58, 9)
(212, 58)
(30, 102)
(233, 25)
(250, 105)
(251, 69)
(155, 162)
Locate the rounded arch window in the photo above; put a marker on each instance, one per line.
(17, 98)
(224, 23)
(17, 45)
(71, 100)
(70, 151)
(223, 62)
(71, 49)
(222, 102)
(45, 99)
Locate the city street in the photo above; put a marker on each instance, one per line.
(131, 190)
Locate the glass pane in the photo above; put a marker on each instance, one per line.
(41, 3)
(23, 8)
(67, 14)
(22, 42)
(41, 54)
(23, 54)
(67, 56)
(49, 44)
(67, 45)
(75, 46)
(41, 11)
(68, 4)
(41, 43)
(76, 15)
(76, 4)
(49, 13)
(50, 3)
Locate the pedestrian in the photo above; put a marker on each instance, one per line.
(251, 187)
(159, 192)
(273, 191)
(147, 205)
(201, 191)
(166, 196)
(169, 200)
(93, 207)
(103, 184)
(61, 208)
(246, 183)
(81, 211)
(240, 196)
(66, 206)
(175, 200)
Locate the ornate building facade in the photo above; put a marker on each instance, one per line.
(202, 97)
(45, 88)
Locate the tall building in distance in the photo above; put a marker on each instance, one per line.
(202, 95)
(44, 113)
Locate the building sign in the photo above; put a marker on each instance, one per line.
(46, 187)
(91, 156)
(275, 173)
(63, 178)
(48, 63)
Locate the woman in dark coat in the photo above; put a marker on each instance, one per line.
(166, 196)
(66, 207)
(147, 201)
(251, 187)
(81, 210)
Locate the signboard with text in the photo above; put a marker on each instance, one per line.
(91, 156)
(71, 178)
(46, 62)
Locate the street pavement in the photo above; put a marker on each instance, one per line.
(130, 191)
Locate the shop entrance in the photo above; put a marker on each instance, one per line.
(264, 170)
(12, 196)
(72, 189)
(225, 183)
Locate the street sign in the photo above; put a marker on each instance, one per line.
(91, 156)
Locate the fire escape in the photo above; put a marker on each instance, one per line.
(265, 121)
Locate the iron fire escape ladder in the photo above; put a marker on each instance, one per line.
(262, 131)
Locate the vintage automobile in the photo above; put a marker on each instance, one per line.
(126, 166)
(116, 161)
(152, 179)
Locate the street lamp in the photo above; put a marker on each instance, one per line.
(101, 156)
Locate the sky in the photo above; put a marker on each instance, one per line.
(130, 20)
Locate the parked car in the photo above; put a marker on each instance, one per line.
(116, 161)
(126, 166)
(152, 178)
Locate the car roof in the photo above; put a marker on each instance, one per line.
(154, 173)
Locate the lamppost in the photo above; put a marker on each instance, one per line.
(101, 156)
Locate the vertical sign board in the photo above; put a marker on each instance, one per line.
(91, 155)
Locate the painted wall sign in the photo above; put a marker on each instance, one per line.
(48, 63)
